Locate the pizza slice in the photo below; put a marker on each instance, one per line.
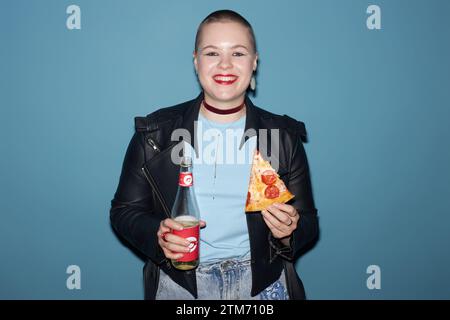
(265, 186)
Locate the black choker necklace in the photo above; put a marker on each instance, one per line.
(221, 111)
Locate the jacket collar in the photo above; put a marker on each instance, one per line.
(190, 118)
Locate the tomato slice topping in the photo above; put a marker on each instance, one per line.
(268, 177)
(272, 192)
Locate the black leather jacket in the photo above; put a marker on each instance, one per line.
(148, 185)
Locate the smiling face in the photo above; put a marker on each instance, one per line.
(225, 62)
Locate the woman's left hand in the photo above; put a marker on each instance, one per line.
(282, 219)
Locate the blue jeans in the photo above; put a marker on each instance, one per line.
(229, 279)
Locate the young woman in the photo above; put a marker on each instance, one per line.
(242, 255)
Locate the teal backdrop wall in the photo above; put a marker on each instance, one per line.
(375, 104)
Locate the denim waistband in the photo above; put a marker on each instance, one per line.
(224, 265)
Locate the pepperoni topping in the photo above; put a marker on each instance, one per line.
(248, 199)
(272, 192)
(268, 177)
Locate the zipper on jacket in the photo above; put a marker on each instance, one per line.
(153, 144)
(155, 189)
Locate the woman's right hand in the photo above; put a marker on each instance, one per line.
(173, 246)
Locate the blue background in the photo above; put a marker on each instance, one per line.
(375, 104)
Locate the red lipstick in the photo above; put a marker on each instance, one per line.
(225, 79)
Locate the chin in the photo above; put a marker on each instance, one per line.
(227, 95)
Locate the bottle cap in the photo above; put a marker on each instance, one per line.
(186, 161)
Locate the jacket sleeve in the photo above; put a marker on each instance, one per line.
(300, 186)
(132, 211)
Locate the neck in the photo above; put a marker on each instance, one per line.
(223, 118)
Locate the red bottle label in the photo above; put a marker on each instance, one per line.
(185, 179)
(191, 234)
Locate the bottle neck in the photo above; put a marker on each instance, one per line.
(185, 201)
(186, 178)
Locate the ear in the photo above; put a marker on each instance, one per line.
(255, 62)
(194, 55)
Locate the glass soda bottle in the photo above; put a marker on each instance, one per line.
(185, 211)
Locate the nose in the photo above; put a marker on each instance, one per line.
(225, 62)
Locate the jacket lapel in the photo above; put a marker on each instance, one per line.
(163, 171)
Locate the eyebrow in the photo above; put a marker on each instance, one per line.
(233, 47)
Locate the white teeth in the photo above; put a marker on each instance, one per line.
(225, 78)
